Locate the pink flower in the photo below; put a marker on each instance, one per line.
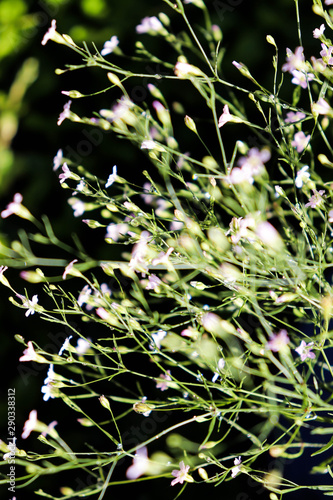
(140, 464)
(65, 113)
(318, 32)
(29, 304)
(328, 2)
(68, 269)
(321, 107)
(50, 32)
(278, 341)
(181, 475)
(295, 61)
(301, 78)
(66, 173)
(13, 207)
(30, 424)
(326, 54)
(294, 117)
(316, 199)
(300, 141)
(29, 354)
(149, 24)
(153, 282)
(225, 117)
(304, 350)
(163, 384)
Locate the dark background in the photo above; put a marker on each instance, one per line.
(30, 139)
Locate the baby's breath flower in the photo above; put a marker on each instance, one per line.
(65, 113)
(305, 351)
(112, 177)
(109, 46)
(236, 470)
(181, 475)
(302, 176)
(140, 464)
(150, 25)
(300, 141)
(318, 32)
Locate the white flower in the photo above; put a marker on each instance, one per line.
(29, 424)
(149, 24)
(109, 46)
(64, 345)
(158, 337)
(57, 160)
(140, 464)
(115, 231)
(302, 176)
(82, 346)
(235, 470)
(50, 32)
(321, 107)
(318, 31)
(48, 389)
(112, 177)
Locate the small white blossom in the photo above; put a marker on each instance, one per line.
(112, 177)
(109, 46)
(302, 176)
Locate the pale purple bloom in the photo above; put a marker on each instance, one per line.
(235, 470)
(68, 268)
(153, 282)
(305, 350)
(57, 160)
(79, 207)
(318, 32)
(50, 32)
(328, 2)
(112, 177)
(109, 46)
(140, 464)
(225, 117)
(30, 424)
(321, 107)
(149, 24)
(300, 141)
(66, 173)
(14, 207)
(316, 199)
(326, 54)
(65, 113)
(29, 304)
(180, 475)
(249, 166)
(29, 354)
(295, 61)
(294, 117)
(140, 252)
(115, 231)
(84, 295)
(330, 216)
(301, 78)
(302, 176)
(278, 341)
(163, 384)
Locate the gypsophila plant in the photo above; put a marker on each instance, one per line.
(209, 362)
